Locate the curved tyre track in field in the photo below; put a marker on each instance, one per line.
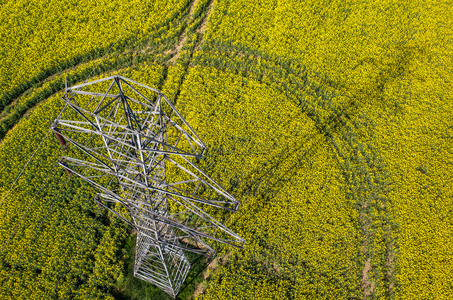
(18, 108)
(363, 170)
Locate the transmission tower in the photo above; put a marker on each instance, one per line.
(142, 144)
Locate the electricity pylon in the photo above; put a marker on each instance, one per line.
(141, 155)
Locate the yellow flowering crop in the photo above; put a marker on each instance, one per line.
(331, 121)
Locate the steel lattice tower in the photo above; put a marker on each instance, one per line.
(141, 155)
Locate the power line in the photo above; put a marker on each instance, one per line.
(78, 247)
(42, 220)
(31, 157)
(30, 203)
(36, 231)
(54, 201)
(40, 188)
(91, 72)
(17, 178)
(59, 115)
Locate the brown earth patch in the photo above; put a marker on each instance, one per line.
(204, 24)
(182, 38)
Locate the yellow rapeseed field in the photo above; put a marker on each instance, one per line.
(330, 121)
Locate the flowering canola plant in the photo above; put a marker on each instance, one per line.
(329, 120)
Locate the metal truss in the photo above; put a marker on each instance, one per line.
(144, 145)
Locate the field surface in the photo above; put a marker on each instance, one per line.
(330, 121)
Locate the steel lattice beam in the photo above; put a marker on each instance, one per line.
(146, 146)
